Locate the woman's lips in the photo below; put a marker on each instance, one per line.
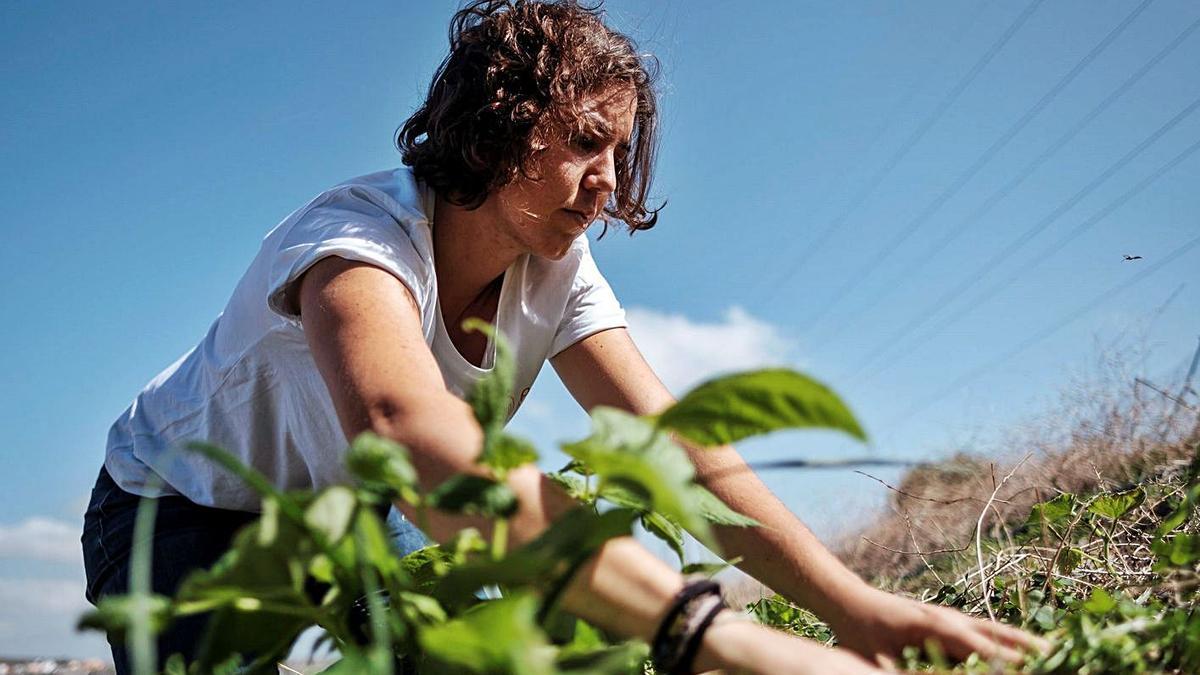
(581, 217)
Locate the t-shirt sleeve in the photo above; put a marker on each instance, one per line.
(347, 222)
(591, 307)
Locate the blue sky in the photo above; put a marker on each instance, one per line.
(826, 165)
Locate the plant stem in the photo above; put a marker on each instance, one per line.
(140, 641)
(499, 538)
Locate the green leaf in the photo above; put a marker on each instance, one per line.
(256, 590)
(1099, 602)
(544, 562)
(1069, 559)
(470, 494)
(628, 451)
(731, 408)
(330, 513)
(707, 569)
(1115, 505)
(1180, 515)
(490, 398)
(1057, 511)
(628, 657)
(1179, 550)
(506, 451)
(376, 549)
(116, 614)
(427, 565)
(499, 636)
(716, 511)
(382, 464)
(666, 529)
(572, 485)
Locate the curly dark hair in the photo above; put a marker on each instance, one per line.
(515, 77)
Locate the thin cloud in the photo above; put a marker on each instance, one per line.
(40, 538)
(22, 597)
(685, 352)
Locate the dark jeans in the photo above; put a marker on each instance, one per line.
(186, 537)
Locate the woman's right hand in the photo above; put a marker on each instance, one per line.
(734, 645)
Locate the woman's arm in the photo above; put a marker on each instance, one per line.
(363, 328)
(607, 369)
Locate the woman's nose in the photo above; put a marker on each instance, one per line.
(602, 175)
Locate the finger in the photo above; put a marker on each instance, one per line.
(1014, 637)
(885, 662)
(989, 649)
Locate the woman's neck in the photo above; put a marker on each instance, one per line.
(469, 252)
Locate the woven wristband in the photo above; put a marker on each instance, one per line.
(703, 618)
(678, 637)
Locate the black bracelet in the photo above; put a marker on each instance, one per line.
(706, 615)
(678, 637)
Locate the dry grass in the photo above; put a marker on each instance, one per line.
(1109, 433)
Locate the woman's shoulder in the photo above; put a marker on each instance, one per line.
(396, 190)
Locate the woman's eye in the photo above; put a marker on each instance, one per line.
(586, 143)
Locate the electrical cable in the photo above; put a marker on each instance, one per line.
(953, 189)
(970, 280)
(877, 178)
(1095, 302)
(766, 289)
(899, 280)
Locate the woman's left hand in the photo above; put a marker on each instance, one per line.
(879, 625)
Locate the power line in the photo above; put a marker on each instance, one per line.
(898, 280)
(1112, 206)
(973, 278)
(1000, 143)
(1095, 302)
(869, 188)
(877, 132)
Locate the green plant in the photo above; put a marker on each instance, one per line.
(323, 558)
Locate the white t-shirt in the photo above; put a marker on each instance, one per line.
(251, 385)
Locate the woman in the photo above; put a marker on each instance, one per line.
(539, 122)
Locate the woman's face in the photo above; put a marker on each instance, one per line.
(569, 180)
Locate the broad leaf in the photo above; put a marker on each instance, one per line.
(1069, 559)
(628, 657)
(470, 494)
(572, 485)
(544, 562)
(707, 569)
(1099, 602)
(330, 513)
(383, 465)
(490, 398)
(1056, 511)
(1181, 514)
(716, 511)
(116, 614)
(731, 408)
(666, 529)
(427, 565)
(371, 536)
(506, 451)
(628, 451)
(257, 590)
(1116, 504)
(499, 636)
(1179, 550)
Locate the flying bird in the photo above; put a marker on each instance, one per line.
(1133, 257)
